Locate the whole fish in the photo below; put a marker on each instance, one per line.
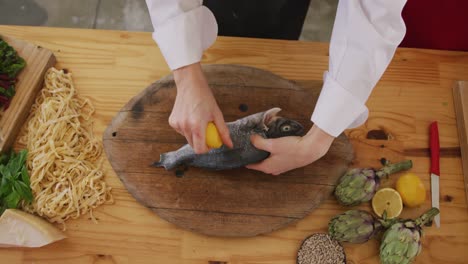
(266, 124)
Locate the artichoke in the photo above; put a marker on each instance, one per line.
(401, 243)
(356, 226)
(360, 185)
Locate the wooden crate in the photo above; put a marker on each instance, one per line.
(30, 81)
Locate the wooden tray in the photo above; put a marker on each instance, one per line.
(238, 202)
(30, 81)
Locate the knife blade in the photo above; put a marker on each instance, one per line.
(435, 169)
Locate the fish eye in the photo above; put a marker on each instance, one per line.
(286, 128)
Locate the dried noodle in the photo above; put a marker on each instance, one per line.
(63, 155)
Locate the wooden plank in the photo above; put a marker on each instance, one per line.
(30, 81)
(237, 202)
(460, 99)
(244, 224)
(110, 67)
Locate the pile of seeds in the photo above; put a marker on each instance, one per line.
(321, 249)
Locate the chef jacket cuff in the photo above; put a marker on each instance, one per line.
(337, 109)
(183, 38)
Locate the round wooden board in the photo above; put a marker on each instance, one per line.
(237, 202)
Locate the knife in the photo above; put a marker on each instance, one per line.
(435, 170)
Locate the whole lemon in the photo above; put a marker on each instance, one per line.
(411, 189)
(212, 137)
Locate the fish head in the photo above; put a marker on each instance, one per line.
(277, 126)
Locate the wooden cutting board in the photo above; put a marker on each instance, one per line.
(238, 202)
(460, 99)
(30, 81)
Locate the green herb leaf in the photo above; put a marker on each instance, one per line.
(10, 62)
(12, 200)
(3, 207)
(4, 158)
(15, 164)
(23, 155)
(26, 192)
(7, 173)
(10, 92)
(25, 175)
(4, 187)
(22, 190)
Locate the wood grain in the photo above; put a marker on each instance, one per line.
(110, 67)
(232, 203)
(30, 82)
(460, 99)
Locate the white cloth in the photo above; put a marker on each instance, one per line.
(365, 36)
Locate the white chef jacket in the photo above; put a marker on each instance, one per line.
(365, 36)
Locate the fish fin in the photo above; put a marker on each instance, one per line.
(156, 164)
(269, 116)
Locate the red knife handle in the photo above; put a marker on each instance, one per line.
(435, 148)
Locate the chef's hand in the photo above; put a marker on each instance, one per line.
(194, 107)
(288, 153)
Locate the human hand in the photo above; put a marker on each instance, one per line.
(194, 107)
(288, 153)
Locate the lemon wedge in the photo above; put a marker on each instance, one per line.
(389, 200)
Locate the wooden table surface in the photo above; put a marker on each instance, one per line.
(111, 67)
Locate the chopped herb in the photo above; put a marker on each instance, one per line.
(11, 65)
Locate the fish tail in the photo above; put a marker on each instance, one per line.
(169, 161)
(161, 162)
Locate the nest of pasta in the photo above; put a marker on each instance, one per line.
(64, 157)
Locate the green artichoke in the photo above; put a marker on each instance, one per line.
(356, 226)
(360, 185)
(401, 243)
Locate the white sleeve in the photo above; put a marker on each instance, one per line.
(183, 30)
(365, 36)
